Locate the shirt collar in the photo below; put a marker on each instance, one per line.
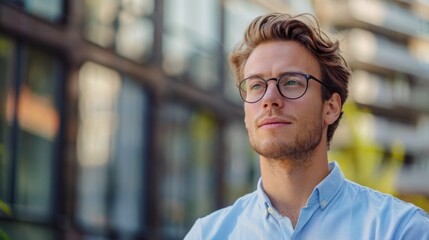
(264, 202)
(329, 187)
(323, 193)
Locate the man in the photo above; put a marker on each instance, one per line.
(293, 81)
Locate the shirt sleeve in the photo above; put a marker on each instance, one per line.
(195, 232)
(417, 228)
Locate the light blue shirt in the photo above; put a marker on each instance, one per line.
(336, 209)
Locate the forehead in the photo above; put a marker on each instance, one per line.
(273, 58)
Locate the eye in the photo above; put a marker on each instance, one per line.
(291, 83)
(255, 84)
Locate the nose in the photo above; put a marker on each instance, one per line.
(272, 97)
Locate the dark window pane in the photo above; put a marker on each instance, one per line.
(25, 231)
(29, 125)
(188, 151)
(38, 119)
(7, 48)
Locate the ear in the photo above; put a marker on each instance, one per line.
(332, 109)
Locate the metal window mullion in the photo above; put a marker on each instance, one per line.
(17, 79)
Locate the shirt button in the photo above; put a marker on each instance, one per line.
(324, 203)
(270, 210)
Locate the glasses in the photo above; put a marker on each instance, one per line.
(291, 85)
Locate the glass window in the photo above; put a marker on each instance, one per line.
(238, 14)
(191, 40)
(52, 10)
(22, 230)
(30, 82)
(188, 153)
(38, 120)
(122, 25)
(49, 9)
(111, 149)
(242, 169)
(7, 48)
(128, 159)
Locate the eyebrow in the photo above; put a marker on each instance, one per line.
(287, 72)
(281, 74)
(254, 75)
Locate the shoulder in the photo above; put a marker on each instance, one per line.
(370, 197)
(386, 210)
(223, 219)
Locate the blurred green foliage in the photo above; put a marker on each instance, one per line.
(366, 162)
(4, 209)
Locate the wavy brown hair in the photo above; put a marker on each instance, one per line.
(305, 30)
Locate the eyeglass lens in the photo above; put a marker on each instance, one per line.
(291, 86)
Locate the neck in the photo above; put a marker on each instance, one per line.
(289, 183)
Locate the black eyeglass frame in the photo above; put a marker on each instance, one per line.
(277, 79)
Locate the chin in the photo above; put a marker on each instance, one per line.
(271, 149)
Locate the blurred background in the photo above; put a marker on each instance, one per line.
(119, 119)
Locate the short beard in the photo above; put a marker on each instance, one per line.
(299, 151)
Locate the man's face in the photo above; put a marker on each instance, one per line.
(280, 128)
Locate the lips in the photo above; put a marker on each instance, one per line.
(273, 122)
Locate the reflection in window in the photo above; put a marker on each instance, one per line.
(191, 40)
(134, 36)
(110, 151)
(49, 9)
(188, 143)
(242, 170)
(38, 118)
(7, 49)
(52, 10)
(29, 133)
(128, 160)
(123, 25)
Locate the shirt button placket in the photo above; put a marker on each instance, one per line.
(324, 203)
(270, 210)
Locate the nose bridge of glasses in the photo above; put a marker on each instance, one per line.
(274, 86)
(276, 80)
